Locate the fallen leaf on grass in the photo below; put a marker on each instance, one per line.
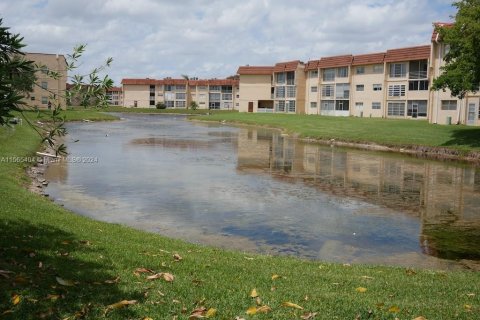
(119, 305)
(410, 272)
(308, 315)
(467, 307)
(367, 278)
(394, 309)
(258, 301)
(470, 294)
(63, 282)
(6, 312)
(238, 318)
(198, 313)
(142, 270)
(255, 310)
(177, 257)
(15, 299)
(112, 281)
(254, 293)
(147, 318)
(166, 276)
(361, 289)
(52, 297)
(85, 242)
(276, 276)
(5, 273)
(420, 318)
(291, 305)
(211, 313)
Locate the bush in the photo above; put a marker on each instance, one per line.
(161, 105)
(193, 105)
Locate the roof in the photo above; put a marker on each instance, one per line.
(112, 89)
(222, 82)
(287, 66)
(335, 61)
(312, 65)
(198, 82)
(146, 81)
(435, 35)
(371, 58)
(169, 81)
(407, 54)
(255, 70)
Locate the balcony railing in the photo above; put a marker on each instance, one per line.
(417, 75)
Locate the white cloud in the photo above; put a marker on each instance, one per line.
(212, 38)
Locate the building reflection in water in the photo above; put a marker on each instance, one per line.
(445, 197)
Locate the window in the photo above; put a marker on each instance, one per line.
(227, 96)
(202, 96)
(377, 87)
(342, 105)
(152, 94)
(327, 106)
(314, 89)
(180, 96)
(279, 92)
(44, 100)
(280, 78)
(44, 69)
(313, 74)
(214, 105)
(227, 89)
(360, 70)
(215, 88)
(169, 87)
(214, 96)
(202, 88)
(169, 104)
(180, 104)
(378, 68)
(449, 105)
(342, 90)
(359, 104)
(396, 90)
(181, 87)
(342, 72)
(290, 106)
(398, 70)
(291, 78)
(418, 69)
(418, 85)
(360, 87)
(313, 105)
(44, 85)
(32, 98)
(417, 108)
(327, 90)
(376, 105)
(280, 106)
(329, 75)
(396, 109)
(291, 91)
(152, 102)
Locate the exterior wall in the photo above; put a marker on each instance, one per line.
(136, 96)
(115, 98)
(55, 90)
(337, 80)
(254, 88)
(300, 82)
(312, 80)
(368, 96)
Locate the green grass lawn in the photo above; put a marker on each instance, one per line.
(167, 111)
(58, 265)
(389, 132)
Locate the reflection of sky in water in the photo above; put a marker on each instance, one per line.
(196, 192)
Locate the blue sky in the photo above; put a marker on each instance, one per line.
(211, 38)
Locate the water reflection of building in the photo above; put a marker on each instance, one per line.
(444, 196)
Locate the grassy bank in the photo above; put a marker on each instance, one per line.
(58, 265)
(167, 111)
(388, 132)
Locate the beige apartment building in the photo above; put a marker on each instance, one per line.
(115, 96)
(180, 93)
(280, 88)
(47, 89)
(391, 84)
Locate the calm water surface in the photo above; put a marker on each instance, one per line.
(260, 191)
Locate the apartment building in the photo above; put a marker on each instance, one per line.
(48, 89)
(115, 96)
(279, 88)
(180, 93)
(391, 84)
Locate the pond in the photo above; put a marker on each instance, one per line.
(258, 190)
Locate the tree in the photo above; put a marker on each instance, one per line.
(461, 72)
(17, 78)
(193, 105)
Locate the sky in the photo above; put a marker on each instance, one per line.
(211, 38)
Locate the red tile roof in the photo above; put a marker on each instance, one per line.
(114, 89)
(312, 65)
(286, 66)
(146, 81)
(223, 82)
(198, 82)
(255, 70)
(371, 58)
(407, 54)
(336, 61)
(168, 81)
(435, 35)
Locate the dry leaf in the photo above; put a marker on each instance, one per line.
(367, 278)
(166, 276)
(6, 312)
(252, 310)
(275, 276)
(410, 272)
(264, 309)
(116, 280)
(238, 318)
(467, 307)
(177, 257)
(63, 282)
(5, 273)
(394, 309)
(420, 318)
(142, 270)
(470, 294)
(308, 315)
(258, 301)
(52, 297)
(147, 318)
(361, 289)
(198, 313)
(211, 313)
(15, 299)
(291, 305)
(254, 293)
(120, 304)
